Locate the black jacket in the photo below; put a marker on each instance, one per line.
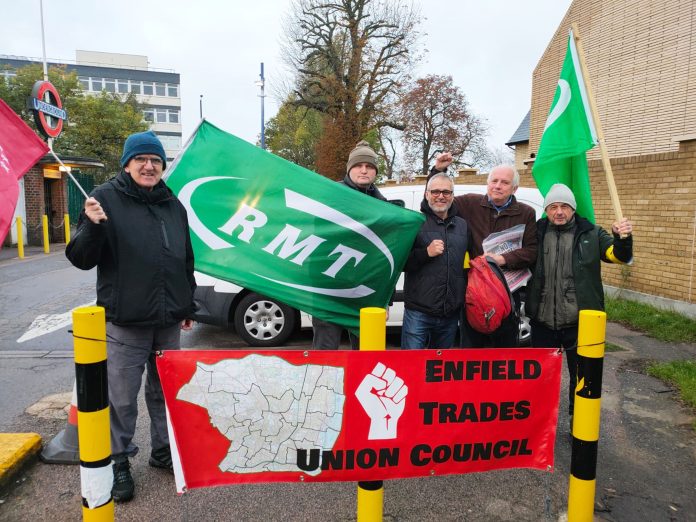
(142, 253)
(436, 285)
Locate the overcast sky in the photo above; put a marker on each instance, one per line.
(489, 47)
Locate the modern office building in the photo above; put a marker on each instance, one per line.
(45, 190)
(157, 89)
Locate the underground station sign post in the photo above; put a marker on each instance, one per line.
(47, 108)
(290, 416)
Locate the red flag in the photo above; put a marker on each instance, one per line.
(20, 148)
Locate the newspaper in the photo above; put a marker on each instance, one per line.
(506, 241)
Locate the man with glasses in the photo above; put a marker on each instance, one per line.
(495, 211)
(435, 280)
(135, 231)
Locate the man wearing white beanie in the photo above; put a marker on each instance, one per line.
(567, 277)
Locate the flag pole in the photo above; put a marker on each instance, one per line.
(67, 169)
(613, 193)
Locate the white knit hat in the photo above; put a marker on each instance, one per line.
(559, 193)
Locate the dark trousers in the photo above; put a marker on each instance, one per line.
(131, 351)
(566, 338)
(327, 336)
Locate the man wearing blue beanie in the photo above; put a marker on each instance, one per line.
(135, 231)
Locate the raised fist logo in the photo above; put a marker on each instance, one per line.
(383, 397)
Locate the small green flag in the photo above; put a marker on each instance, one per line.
(568, 135)
(278, 229)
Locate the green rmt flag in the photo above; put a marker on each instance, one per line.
(276, 228)
(568, 134)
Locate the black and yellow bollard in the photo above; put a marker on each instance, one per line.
(588, 393)
(89, 331)
(373, 337)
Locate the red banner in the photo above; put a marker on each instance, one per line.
(20, 148)
(288, 416)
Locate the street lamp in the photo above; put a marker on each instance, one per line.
(261, 83)
(201, 106)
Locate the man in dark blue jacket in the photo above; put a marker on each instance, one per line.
(435, 281)
(135, 231)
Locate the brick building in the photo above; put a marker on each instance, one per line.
(641, 57)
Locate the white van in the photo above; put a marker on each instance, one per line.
(262, 321)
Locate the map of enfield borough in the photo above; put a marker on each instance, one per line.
(267, 408)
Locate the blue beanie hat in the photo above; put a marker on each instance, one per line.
(143, 143)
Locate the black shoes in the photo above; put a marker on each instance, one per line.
(162, 458)
(124, 487)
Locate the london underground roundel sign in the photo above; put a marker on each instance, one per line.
(48, 109)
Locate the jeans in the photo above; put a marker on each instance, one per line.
(421, 330)
(566, 338)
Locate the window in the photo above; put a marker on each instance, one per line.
(109, 85)
(122, 86)
(135, 87)
(173, 116)
(147, 88)
(161, 115)
(170, 142)
(149, 115)
(84, 81)
(172, 90)
(97, 84)
(160, 89)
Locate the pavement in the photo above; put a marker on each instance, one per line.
(17, 450)
(646, 464)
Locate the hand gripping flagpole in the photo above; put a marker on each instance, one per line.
(373, 337)
(613, 193)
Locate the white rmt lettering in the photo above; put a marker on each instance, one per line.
(347, 254)
(287, 241)
(246, 217)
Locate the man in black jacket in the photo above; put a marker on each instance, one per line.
(135, 231)
(361, 172)
(435, 280)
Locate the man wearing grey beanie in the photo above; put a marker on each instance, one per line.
(567, 277)
(361, 171)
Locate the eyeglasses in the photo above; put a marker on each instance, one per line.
(142, 160)
(437, 193)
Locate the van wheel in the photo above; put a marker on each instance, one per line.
(261, 321)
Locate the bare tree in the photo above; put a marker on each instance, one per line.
(349, 58)
(437, 117)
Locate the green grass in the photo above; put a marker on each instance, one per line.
(660, 324)
(681, 374)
